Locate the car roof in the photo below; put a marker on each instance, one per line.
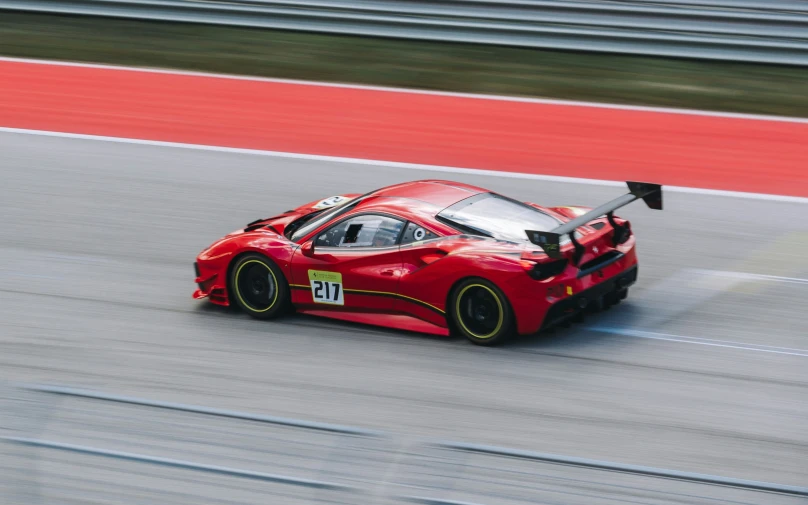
(428, 193)
(418, 201)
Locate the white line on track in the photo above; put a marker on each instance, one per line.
(751, 277)
(546, 101)
(406, 166)
(627, 332)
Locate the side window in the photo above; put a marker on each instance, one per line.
(362, 231)
(415, 233)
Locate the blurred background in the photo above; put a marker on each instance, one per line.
(117, 387)
(744, 55)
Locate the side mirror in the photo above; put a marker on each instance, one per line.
(308, 248)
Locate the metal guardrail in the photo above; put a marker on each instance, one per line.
(773, 31)
(85, 445)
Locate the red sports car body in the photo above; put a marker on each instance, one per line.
(430, 256)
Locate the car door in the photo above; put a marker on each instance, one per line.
(353, 265)
(419, 297)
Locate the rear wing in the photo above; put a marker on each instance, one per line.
(550, 241)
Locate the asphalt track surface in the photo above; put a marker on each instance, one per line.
(703, 369)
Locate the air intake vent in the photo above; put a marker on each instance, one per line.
(597, 226)
(255, 224)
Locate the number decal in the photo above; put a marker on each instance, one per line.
(331, 201)
(326, 287)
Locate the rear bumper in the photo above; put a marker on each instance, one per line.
(573, 305)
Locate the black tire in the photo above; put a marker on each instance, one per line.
(259, 287)
(480, 311)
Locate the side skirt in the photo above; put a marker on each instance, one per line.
(395, 321)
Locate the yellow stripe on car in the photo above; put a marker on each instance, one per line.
(379, 293)
(396, 295)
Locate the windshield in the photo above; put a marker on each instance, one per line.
(314, 223)
(498, 217)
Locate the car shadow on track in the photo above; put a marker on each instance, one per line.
(562, 338)
(581, 334)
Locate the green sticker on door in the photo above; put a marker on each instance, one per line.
(326, 287)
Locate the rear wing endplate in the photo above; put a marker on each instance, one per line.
(550, 241)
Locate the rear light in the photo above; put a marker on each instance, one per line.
(621, 233)
(528, 265)
(541, 271)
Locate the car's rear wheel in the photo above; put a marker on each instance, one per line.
(259, 287)
(480, 311)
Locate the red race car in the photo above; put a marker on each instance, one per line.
(430, 256)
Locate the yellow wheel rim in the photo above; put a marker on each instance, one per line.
(458, 311)
(237, 290)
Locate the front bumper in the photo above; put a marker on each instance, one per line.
(593, 296)
(209, 287)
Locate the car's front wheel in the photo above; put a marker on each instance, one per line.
(481, 312)
(259, 287)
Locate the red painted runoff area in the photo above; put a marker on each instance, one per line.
(704, 151)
